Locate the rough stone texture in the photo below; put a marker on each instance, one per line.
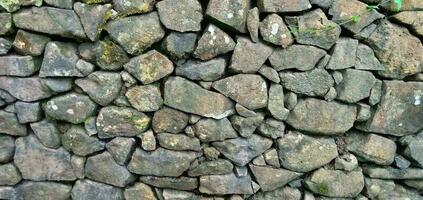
(146, 98)
(355, 85)
(225, 184)
(47, 133)
(230, 13)
(270, 179)
(87, 189)
(179, 45)
(282, 59)
(208, 130)
(181, 183)
(214, 167)
(130, 7)
(413, 19)
(283, 6)
(18, 65)
(248, 56)
(77, 140)
(60, 60)
(180, 15)
(102, 87)
(212, 43)
(72, 107)
(316, 82)
(274, 30)
(253, 23)
(344, 54)
(93, 18)
(9, 174)
(287, 193)
(7, 148)
(26, 89)
(169, 120)
(366, 59)
(10, 125)
(178, 142)
(43, 190)
(139, 191)
(202, 70)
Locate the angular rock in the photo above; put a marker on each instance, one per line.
(170, 194)
(43, 190)
(282, 59)
(322, 117)
(397, 49)
(215, 167)
(283, 6)
(393, 173)
(376, 187)
(275, 103)
(26, 89)
(189, 97)
(242, 150)
(401, 162)
(169, 120)
(72, 107)
(38, 163)
(7, 148)
(103, 87)
(355, 85)
(78, 166)
(76, 140)
(403, 119)
(248, 56)
(344, 54)
(180, 183)
(316, 82)
(271, 158)
(136, 38)
(139, 191)
(412, 148)
(270, 178)
(53, 21)
(412, 19)
(347, 162)
(253, 22)
(229, 13)
(60, 60)
(302, 153)
(121, 149)
(161, 162)
(246, 125)
(208, 130)
(27, 43)
(87, 189)
(179, 45)
(287, 193)
(180, 15)
(93, 18)
(336, 183)
(274, 30)
(47, 133)
(313, 28)
(10, 125)
(18, 65)
(212, 43)
(5, 46)
(178, 142)
(272, 128)
(106, 54)
(225, 184)
(6, 23)
(366, 59)
(115, 121)
(149, 67)
(9, 174)
(269, 73)
(130, 7)
(28, 112)
(202, 70)
(145, 98)
(401, 192)
(103, 168)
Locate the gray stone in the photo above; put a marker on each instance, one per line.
(180, 15)
(416, 184)
(115, 121)
(324, 4)
(286, 58)
(313, 28)
(106, 54)
(214, 167)
(275, 103)
(43, 190)
(344, 54)
(272, 128)
(210, 152)
(77, 140)
(212, 43)
(355, 85)
(7, 148)
(161, 162)
(189, 97)
(281, 6)
(136, 38)
(322, 117)
(38, 163)
(10, 125)
(403, 119)
(347, 162)
(246, 125)
(78, 166)
(145, 98)
(401, 162)
(241, 171)
(248, 56)
(242, 150)
(139, 191)
(87, 189)
(412, 147)
(18, 65)
(103, 168)
(9, 174)
(71, 107)
(271, 178)
(364, 112)
(225, 184)
(54, 21)
(180, 183)
(243, 111)
(130, 7)
(286, 193)
(311, 83)
(60, 60)
(274, 30)
(229, 13)
(148, 141)
(169, 120)
(208, 130)
(253, 22)
(336, 183)
(291, 100)
(178, 142)
(84, 67)
(59, 3)
(93, 18)
(376, 93)
(202, 70)
(58, 85)
(376, 187)
(302, 153)
(121, 149)
(393, 173)
(412, 19)
(6, 23)
(149, 67)
(47, 133)
(366, 59)
(28, 112)
(271, 158)
(103, 87)
(179, 45)
(269, 73)
(331, 94)
(401, 192)
(5, 46)
(170, 194)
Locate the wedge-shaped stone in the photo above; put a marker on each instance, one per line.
(10, 125)
(214, 167)
(212, 43)
(202, 70)
(180, 15)
(77, 140)
(225, 184)
(60, 60)
(316, 82)
(355, 85)
(248, 56)
(230, 13)
(208, 130)
(274, 30)
(178, 142)
(93, 18)
(270, 178)
(366, 59)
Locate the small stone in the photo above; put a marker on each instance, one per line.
(76, 140)
(9, 174)
(324, 4)
(347, 162)
(87, 189)
(212, 43)
(103, 168)
(274, 30)
(232, 14)
(58, 85)
(149, 67)
(376, 187)
(10, 124)
(115, 121)
(42, 190)
(180, 183)
(366, 59)
(393, 173)
(282, 59)
(106, 54)
(69, 108)
(169, 120)
(269, 73)
(49, 20)
(322, 117)
(287, 193)
(179, 45)
(215, 167)
(275, 103)
(412, 148)
(90, 126)
(78, 166)
(121, 149)
(7, 192)
(241, 171)
(139, 191)
(295, 157)
(253, 22)
(225, 184)
(38, 163)
(271, 179)
(103, 87)
(248, 56)
(281, 6)
(60, 60)
(272, 128)
(210, 152)
(189, 97)
(32, 44)
(331, 94)
(314, 29)
(336, 183)
(180, 15)
(355, 85)
(28, 112)
(161, 162)
(136, 38)
(243, 111)
(208, 130)
(131, 7)
(145, 98)
(178, 142)
(47, 133)
(6, 25)
(316, 82)
(401, 162)
(18, 65)
(271, 158)
(364, 112)
(5, 46)
(344, 54)
(376, 93)
(202, 70)
(242, 150)
(93, 18)
(148, 141)
(291, 100)
(7, 148)
(84, 67)
(246, 125)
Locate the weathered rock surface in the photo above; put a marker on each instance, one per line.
(202, 70)
(102, 87)
(7, 148)
(72, 107)
(77, 140)
(355, 85)
(225, 184)
(270, 178)
(230, 13)
(212, 43)
(316, 82)
(10, 125)
(274, 30)
(248, 56)
(145, 98)
(181, 183)
(182, 16)
(282, 59)
(18, 65)
(208, 130)
(169, 120)
(43, 190)
(26, 89)
(87, 189)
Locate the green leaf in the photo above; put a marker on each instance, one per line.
(398, 4)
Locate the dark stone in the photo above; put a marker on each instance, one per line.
(282, 59)
(77, 140)
(231, 13)
(202, 70)
(10, 125)
(248, 56)
(208, 130)
(169, 120)
(71, 107)
(102, 87)
(180, 15)
(212, 43)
